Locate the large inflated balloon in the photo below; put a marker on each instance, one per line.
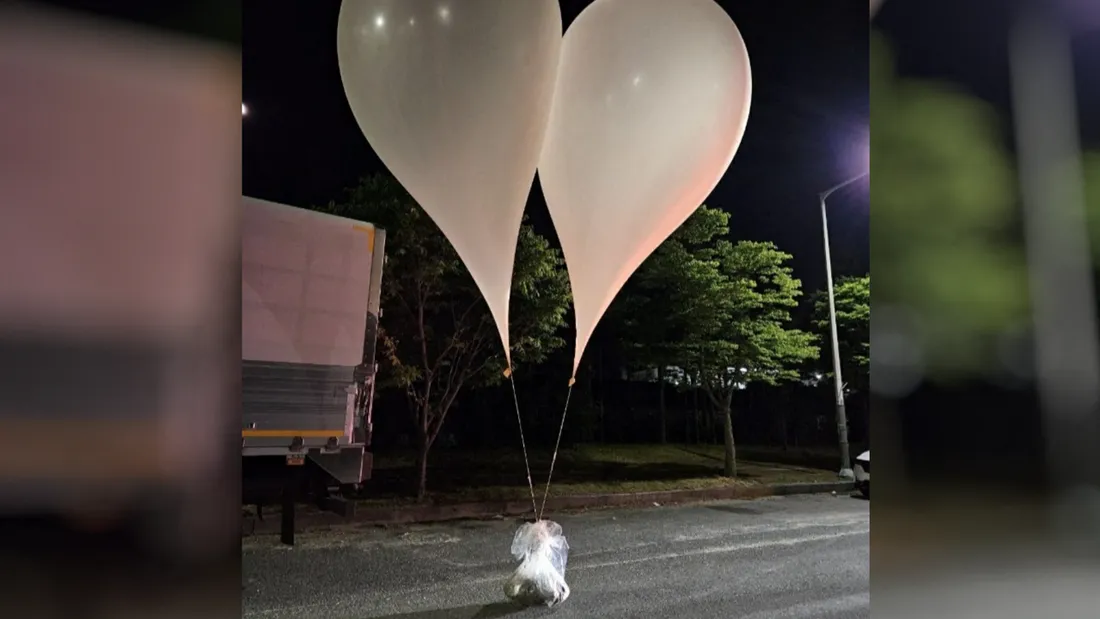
(454, 98)
(650, 106)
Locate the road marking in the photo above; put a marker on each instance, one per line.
(578, 560)
(794, 541)
(710, 532)
(421, 539)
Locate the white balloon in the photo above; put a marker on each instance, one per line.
(650, 106)
(454, 98)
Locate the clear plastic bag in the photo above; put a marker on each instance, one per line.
(542, 551)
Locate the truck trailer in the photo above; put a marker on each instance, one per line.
(309, 323)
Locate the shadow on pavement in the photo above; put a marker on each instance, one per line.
(735, 509)
(477, 611)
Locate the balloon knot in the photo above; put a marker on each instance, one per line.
(572, 381)
(507, 372)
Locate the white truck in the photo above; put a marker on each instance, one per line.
(309, 318)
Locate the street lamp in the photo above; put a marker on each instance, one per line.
(838, 380)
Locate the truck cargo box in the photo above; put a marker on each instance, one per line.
(310, 294)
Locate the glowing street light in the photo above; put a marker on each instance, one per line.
(838, 380)
(244, 110)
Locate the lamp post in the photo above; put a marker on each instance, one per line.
(838, 380)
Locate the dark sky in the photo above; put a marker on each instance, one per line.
(965, 42)
(809, 119)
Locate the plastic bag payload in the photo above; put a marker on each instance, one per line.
(542, 551)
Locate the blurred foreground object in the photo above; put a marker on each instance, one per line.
(543, 552)
(979, 434)
(950, 278)
(119, 175)
(1063, 297)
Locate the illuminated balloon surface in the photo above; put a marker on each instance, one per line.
(454, 97)
(650, 106)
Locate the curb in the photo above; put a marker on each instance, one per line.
(429, 513)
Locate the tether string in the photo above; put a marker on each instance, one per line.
(522, 441)
(557, 444)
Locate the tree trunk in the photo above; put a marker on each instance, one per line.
(731, 449)
(603, 394)
(423, 444)
(706, 415)
(709, 425)
(661, 403)
(716, 437)
(697, 417)
(784, 402)
(422, 465)
(783, 427)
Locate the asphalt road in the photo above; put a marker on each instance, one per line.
(777, 558)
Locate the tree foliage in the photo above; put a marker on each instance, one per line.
(852, 298)
(437, 337)
(716, 311)
(670, 300)
(754, 342)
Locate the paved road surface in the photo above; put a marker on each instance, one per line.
(779, 558)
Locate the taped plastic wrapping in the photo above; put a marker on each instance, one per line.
(542, 551)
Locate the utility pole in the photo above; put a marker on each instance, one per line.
(838, 380)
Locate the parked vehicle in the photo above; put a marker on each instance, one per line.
(310, 309)
(862, 470)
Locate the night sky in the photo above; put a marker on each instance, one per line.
(807, 131)
(965, 42)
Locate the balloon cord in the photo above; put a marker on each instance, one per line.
(523, 443)
(554, 458)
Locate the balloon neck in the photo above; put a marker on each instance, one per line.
(507, 372)
(572, 380)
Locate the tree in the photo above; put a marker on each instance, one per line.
(852, 298)
(669, 299)
(752, 342)
(437, 337)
